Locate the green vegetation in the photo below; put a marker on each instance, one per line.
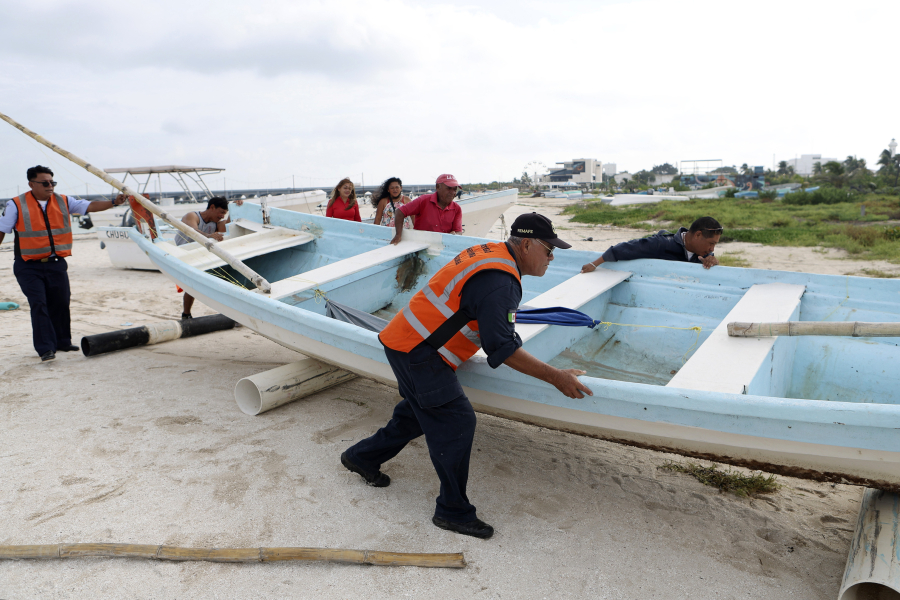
(808, 222)
(732, 259)
(727, 481)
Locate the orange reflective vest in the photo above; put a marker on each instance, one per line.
(432, 313)
(40, 234)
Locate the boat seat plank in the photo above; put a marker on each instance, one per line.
(242, 247)
(729, 364)
(342, 268)
(573, 293)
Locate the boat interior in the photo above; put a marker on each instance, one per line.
(663, 324)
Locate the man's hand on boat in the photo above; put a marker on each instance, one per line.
(709, 261)
(565, 380)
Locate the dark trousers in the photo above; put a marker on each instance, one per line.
(46, 285)
(449, 429)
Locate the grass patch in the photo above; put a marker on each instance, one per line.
(878, 274)
(733, 259)
(838, 225)
(727, 481)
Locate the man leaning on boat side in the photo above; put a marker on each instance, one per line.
(41, 220)
(464, 307)
(694, 245)
(210, 223)
(433, 212)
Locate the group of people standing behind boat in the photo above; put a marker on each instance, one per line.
(431, 212)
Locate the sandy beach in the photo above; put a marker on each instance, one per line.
(148, 446)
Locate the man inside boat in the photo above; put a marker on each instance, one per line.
(42, 223)
(209, 223)
(688, 245)
(434, 212)
(463, 308)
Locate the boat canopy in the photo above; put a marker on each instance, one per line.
(178, 172)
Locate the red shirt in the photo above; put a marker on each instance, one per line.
(430, 216)
(339, 210)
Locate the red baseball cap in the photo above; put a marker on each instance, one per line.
(448, 180)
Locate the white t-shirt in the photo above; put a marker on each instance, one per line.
(690, 254)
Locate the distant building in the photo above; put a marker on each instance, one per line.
(892, 147)
(622, 177)
(807, 162)
(609, 169)
(581, 172)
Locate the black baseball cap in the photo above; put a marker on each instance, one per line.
(533, 225)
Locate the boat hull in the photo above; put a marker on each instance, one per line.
(825, 440)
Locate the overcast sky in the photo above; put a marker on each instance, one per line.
(321, 90)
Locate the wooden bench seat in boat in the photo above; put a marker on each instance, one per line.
(264, 240)
(572, 293)
(759, 366)
(387, 256)
(575, 293)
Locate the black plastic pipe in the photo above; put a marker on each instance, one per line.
(92, 345)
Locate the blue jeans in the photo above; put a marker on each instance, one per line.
(446, 418)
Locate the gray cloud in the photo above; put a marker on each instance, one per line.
(93, 37)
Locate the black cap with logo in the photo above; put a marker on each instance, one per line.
(533, 225)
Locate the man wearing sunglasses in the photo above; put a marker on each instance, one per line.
(463, 308)
(41, 220)
(694, 245)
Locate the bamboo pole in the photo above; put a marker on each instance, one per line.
(206, 242)
(848, 329)
(236, 555)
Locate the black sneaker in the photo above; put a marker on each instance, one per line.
(376, 479)
(69, 348)
(48, 356)
(476, 528)
(185, 316)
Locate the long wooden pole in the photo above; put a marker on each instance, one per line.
(206, 242)
(237, 555)
(847, 329)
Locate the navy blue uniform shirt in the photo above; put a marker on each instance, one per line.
(662, 245)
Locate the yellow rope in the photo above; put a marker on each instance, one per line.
(696, 328)
(319, 294)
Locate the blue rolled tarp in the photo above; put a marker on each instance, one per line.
(557, 315)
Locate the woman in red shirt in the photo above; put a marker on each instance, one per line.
(343, 204)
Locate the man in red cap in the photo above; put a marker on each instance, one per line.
(434, 212)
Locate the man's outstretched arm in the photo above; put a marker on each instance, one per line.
(565, 380)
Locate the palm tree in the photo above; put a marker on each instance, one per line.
(817, 168)
(782, 168)
(834, 173)
(890, 165)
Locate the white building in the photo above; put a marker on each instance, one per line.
(609, 169)
(807, 162)
(581, 172)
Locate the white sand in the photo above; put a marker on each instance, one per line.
(148, 446)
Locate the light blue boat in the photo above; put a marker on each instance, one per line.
(664, 372)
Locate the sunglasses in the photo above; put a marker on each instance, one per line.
(45, 183)
(549, 249)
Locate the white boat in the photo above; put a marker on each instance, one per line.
(479, 213)
(664, 373)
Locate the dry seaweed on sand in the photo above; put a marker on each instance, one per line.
(739, 484)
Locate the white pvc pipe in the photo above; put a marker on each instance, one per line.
(264, 391)
(873, 565)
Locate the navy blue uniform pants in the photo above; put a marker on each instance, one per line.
(46, 285)
(445, 417)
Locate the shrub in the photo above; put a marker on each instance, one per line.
(824, 195)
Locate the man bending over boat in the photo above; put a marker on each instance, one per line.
(688, 245)
(210, 223)
(433, 212)
(465, 306)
